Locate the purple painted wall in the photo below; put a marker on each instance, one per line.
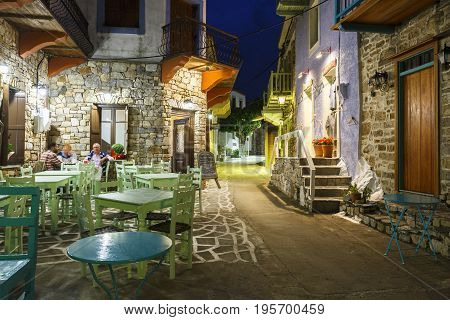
(312, 113)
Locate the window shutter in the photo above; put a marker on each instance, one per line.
(95, 125)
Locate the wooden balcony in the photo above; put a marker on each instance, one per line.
(288, 8)
(379, 16)
(279, 94)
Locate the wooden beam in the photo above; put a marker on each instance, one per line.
(58, 64)
(33, 41)
(217, 92)
(14, 4)
(212, 78)
(170, 67)
(363, 27)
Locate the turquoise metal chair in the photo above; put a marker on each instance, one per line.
(18, 269)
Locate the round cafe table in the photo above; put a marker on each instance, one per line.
(120, 248)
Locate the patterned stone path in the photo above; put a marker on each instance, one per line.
(219, 234)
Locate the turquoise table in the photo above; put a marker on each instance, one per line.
(420, 203)
(140, 201)
(52, 183)
(112, 249)
(148, 179)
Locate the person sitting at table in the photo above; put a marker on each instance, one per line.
(99, 158)
(67, 155)
(49, 157)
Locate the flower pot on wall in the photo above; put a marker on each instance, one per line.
(328, 151)
(318, 151)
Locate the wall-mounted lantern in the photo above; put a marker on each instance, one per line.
(379, 81)
(322, 53)
(303, 73)
(444, 56)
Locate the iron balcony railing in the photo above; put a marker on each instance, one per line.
(72, 20)
(186, 36)
(345, 6)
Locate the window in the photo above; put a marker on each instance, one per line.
(241, 104)
(233, 102)
(109, 125)
(12, 120)
(314, 26)
(118, 16)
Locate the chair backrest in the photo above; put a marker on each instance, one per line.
(197, 181)
(39, 166)
(166, 166)
(157, 167)
(165, 184)
(20, 181)
(1, 175)
(126, 180)
(184, 203)
(70, 167)
(30, 221)
(131, 169)
(26, 171)
(207, 162)
(185, 180)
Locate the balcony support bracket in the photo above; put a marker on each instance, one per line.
(212, 78)
(362, 27)
(59, 64)
(218, 92)
(33, 41)
(170, 67)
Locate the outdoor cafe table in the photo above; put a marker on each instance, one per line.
(52, 183)
(406, 201)
(112, 249)
(148, 179)
(140, 201)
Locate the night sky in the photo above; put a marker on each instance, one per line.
(239, 17)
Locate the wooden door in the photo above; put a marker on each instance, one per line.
(419, 132)
(16, 126)
(183, 144)
(182, 32)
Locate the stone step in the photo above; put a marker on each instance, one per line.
(330, 191)
(321, 161)
(326, 204)
(323, 170)
(331, 180)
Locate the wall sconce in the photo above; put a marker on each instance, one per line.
(281, 99)
(321, 53)
(210, 116)
(303, 73)
(41, 90)
(444, 56)
(379, 81)
(188, 104)
(4, 69)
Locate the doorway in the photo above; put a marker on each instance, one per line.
(13, 119)
(182, 140)
(417, 127)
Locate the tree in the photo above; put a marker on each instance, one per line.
(243, 122)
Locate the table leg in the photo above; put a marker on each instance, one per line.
(141, 266)
(148, 274)
(426, 223)
(101, 284)
(98, 215)
(394, 232)
(54, 209)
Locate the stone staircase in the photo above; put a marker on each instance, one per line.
(330, 186)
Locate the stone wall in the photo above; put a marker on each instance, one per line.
(137, 85)
(286, 177)
(22, 77)
(378, 113)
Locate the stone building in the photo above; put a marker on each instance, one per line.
(144, 73)
(405, 106)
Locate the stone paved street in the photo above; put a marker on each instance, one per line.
(252, 244)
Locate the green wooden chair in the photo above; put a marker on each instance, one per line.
(166, 167)
(14, 235)
(197, 182)
(70, 166)
(38, 166)
(2, 178)
(26, 171)
(19, 269)
(164, 184)
(186, 180)
(180, 225)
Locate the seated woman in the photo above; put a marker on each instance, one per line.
(66, 156)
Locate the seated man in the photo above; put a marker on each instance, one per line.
(66, 155)
(99, 158)
(51, 161)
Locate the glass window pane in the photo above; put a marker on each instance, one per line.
(121, 131)
(120, 115)
(106, 132)
(106, 115)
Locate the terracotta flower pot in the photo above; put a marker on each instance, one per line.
(327, 151)
(355, 197)
(318, 151)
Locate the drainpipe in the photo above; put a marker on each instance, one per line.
(37, 99)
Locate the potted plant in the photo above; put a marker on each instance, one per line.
(327, 146)
(317, 144)
(366, 194)
(353, 193)
(118, 151)
(10, 150)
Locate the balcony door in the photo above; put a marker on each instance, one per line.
(418, 166)
(182, 30)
